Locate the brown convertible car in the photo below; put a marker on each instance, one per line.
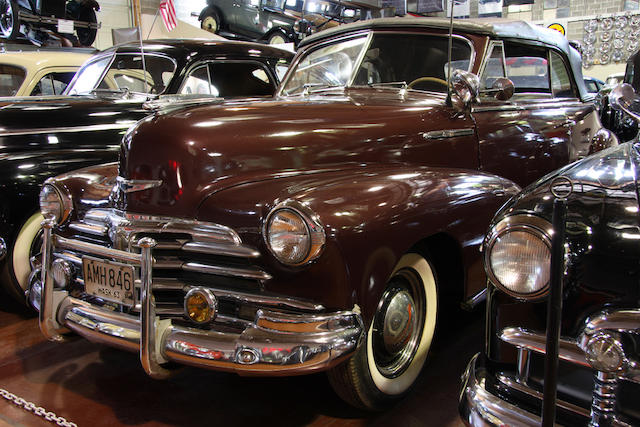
(327, 228)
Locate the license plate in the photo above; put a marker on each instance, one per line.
(109, 280)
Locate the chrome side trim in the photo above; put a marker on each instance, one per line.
(217, 249)
(451, 133)
(569, 350)
(522, 107)
(88, 128)
(247, 273)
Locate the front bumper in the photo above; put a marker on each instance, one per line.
(478, 407)
(275, 343)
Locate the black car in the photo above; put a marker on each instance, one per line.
(111, 92)
(281, 21)
(595, 296)
(38, 19)
(620, 123)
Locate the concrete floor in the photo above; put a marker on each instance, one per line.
(93, 385)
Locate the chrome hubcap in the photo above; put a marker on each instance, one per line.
(210, 24)
(6, 17)
(398, 324)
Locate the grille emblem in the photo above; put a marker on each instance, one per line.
(133, 185)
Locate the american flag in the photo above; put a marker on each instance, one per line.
(168, 12)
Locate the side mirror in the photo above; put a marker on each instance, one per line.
(503, 88)
(464, 89)
(621, 98)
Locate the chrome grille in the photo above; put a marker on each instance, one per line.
(188, 253)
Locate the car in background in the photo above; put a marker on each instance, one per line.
(614, 79)
(46, 136)
(327, 229)
(282, 21)
(593, 85)
(39, 72)
(598, 376)
(39, 20)
(625, 127)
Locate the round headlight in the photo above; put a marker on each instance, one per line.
(292, 234)
(518, 256)
(53, 204)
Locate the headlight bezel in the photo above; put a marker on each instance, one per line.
(315, 230)
(64, 199)
(528, 223)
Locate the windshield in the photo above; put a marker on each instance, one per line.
(418, 60)
(125, 72)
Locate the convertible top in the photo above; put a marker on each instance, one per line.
(497, 28)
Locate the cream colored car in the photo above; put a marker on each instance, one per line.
(38, 72)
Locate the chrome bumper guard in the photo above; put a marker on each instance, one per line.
(479, 407)
(273, 344)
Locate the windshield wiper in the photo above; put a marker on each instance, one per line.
(309, 88)
(400, 85)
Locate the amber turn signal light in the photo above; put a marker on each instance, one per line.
(200, 305)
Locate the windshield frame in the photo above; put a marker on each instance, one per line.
(369, 33)
(106, 69)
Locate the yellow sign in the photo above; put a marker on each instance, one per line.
(558, 27)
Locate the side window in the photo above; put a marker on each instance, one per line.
(229, 79)
(494, 67)
(560, 80)
(528, 68)
(11, 77)
(197, 82)
(52, 84)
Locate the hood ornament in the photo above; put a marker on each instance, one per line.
(133, 185)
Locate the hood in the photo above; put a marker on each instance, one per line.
(38, 124)
(197, 151)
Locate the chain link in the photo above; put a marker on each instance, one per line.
(37, 410)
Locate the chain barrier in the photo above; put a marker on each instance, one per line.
(37, 410)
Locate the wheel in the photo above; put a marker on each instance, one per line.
(86, 36)
(211, 22)
(28, 243)
(427, 79)
(278, 37)
(9, 20)
(397, 342)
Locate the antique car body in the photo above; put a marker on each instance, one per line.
(598, 378)
(39, 72)
(325, 229)
(38, 19)
(279, 21)
(46, 136)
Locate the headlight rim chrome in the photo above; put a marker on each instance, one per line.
(529, 223)
(64, 197)
(317, 236)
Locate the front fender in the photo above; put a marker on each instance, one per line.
(371, 217)
(22, 176)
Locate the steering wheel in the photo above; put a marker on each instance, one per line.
(427, 79)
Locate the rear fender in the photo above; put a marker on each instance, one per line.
(371, 217)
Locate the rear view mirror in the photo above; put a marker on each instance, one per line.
(503, 88)
(464, 89)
